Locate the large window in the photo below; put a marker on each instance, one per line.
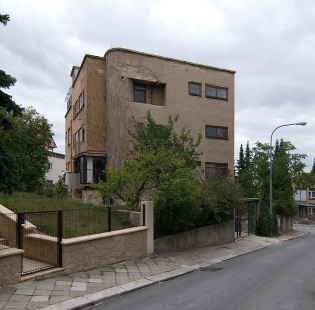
(194, 89)
(300, 194)
(216, 168)
(78, 138)
(216, 132)
(139, 93)
(92, 169)
(216, 92)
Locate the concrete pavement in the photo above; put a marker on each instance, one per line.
(82, 289)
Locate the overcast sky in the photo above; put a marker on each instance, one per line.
(270, 44)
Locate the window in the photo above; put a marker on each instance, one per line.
(216, 168)
(216, 132)
(50, 166)
(300, 194)
(69, 136)
(91, 169)
(194, 89)
(198, 164)
(78, 138)
(77, 107)
(216, 92)
(139, 93)
(139, 127)
(311, 194)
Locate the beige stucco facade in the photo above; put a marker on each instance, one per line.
(108, 87)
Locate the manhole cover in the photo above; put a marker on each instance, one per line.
(209, 269)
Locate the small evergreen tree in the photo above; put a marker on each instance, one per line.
(267, 226)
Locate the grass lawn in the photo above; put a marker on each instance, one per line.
(79, 218)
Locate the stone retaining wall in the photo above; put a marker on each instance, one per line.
(196, 238)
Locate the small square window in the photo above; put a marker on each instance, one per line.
(139, 127)
(194, 89)
(139, 93)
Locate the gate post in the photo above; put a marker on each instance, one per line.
(60, 236)
(149, 222)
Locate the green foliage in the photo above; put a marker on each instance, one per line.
(4, 18)
(28, 143)
(313, 168)
(158, 155)
(177, 202)
(56, 191)
(267, 225)
(161, 166)
(7, 105)
(220, 196)
(245, 172)
(287, 168)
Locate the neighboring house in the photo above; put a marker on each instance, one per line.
(56, 164)
(107, 91)
(305, 199)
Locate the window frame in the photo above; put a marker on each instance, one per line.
(79, 104)
(217, 136)
(216, 88)
(192, 93)
(217, 167)
(144, 90)
(311, 194)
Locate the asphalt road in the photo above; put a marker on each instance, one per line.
(279, 277)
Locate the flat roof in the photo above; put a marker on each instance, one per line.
(166, 58)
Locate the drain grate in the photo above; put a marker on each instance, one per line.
(209, 269)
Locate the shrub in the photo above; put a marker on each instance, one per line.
(267, 225)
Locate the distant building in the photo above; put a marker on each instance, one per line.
(305, 199)
(107, 91)
(56, 164)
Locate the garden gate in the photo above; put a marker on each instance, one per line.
(246, 216)
(39, 234)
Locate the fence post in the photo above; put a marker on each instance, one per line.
(143, 215)
(149, 222)
(60, 236)
(19, 232)
(109, 218)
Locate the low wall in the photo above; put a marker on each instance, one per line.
(285, 223)
(94, 251)
(196, 238)
(10, 266)
(41, 248)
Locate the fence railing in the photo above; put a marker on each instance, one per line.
(8, 230)
(75, 223)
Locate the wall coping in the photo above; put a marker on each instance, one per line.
(103, 235)
(6, 212)
(10, 252)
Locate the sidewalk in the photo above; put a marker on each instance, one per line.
(82, 289)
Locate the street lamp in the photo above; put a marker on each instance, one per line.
(270, 157)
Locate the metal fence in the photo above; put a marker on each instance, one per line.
(91, 220)
(8, 230)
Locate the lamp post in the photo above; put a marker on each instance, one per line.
(270, 156)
